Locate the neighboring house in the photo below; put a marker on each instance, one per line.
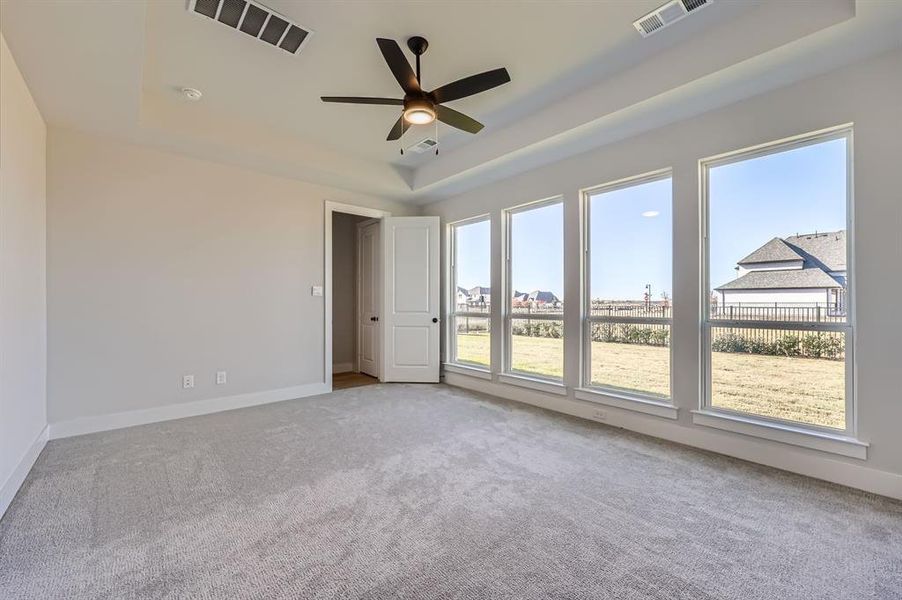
(463, 296)
(480, 296)
(802, 270)
(536, 298)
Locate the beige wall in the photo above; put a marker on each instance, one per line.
(344, 290)
(867, 94)
(161, 265)
(23, 309)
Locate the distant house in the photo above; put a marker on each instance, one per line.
(480, 296)
(535, 298)
(801, 270)
(463, 296)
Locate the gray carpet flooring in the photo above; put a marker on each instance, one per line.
(422, 491)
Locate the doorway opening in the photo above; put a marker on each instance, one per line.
(354, 299)
(393, 329)
(352, 312)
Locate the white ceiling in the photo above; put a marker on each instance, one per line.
(581, 75)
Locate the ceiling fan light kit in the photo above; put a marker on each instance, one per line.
(419, 112)
(420, 107)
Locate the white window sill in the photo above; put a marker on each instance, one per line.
(658, 408)
(785, 433)
(470, 370)
(534, 383)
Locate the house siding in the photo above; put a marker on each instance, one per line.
(796, 297)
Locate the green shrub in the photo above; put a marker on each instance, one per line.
(730, 342)
(787, 345)
(819, 345)
(812, 345)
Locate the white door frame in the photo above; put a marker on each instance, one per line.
(333, 207)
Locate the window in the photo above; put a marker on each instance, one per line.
(628, 271)
(471, 295)
(778, 324)
(534, 320)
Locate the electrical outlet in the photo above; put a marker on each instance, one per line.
(220, 377)
(600, 415)
(187, 382)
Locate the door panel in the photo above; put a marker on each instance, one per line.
(368, 249)
(411, 281)
(411, 298)
(411, 346)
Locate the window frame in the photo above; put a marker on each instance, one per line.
(508, 374)
(452, 312)
(706, 408)
(586, 317)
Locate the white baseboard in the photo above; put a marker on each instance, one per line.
(342, 367)
(15, 479)
(169, 412)
(773, 454)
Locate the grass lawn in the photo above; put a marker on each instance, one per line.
(807, 390)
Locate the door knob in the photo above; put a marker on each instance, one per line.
(435, 319)
(374, 318)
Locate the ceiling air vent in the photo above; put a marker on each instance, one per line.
(255, 20)
(668, 14)
(423, 146)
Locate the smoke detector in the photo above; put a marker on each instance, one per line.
(191, 94)
(667, 15)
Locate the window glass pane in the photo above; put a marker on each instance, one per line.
(777, 247)
(631, 251)
(472, 339)
(537, 260)
(537, 347)
(472, 262)
(631, 357)
(781, 374)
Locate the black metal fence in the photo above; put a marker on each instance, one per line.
(780, 311)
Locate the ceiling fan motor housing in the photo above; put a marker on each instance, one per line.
(417, 45)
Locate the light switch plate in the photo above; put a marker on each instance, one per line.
(316, 290)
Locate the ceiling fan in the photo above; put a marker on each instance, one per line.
(422, 107)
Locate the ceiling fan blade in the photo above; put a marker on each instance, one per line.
(398, 64)
(457, 119)
(398, 130)
(358, 100)
(471, 85)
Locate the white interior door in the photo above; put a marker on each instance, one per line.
(369, 298)
(411, 298)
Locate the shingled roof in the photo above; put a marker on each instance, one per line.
(775, 250)
(771, 279)
(828, 249)
(820, 254)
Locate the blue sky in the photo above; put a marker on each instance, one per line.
(473, 254)
(778, 195)
(629, 250)
(799, 191)
(537, 250)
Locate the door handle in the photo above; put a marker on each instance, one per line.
(435, 319)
